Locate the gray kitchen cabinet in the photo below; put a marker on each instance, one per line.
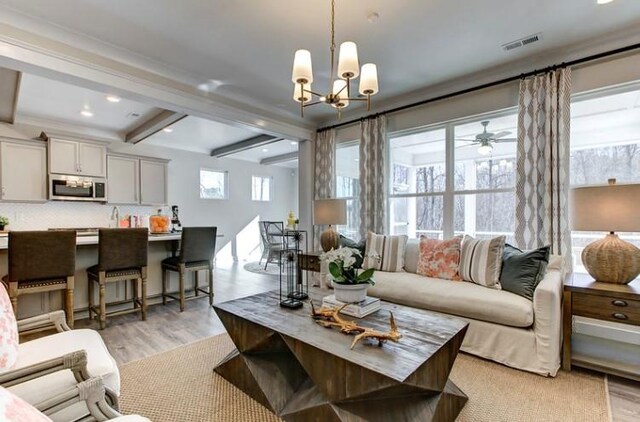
(77, 158)
(153, 182)
(23, 171)
(123, 180)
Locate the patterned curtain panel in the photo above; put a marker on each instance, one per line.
(542, 178)
(324, 175)
(373, 157)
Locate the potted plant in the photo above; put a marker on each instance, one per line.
(349, 283)
(4, 221)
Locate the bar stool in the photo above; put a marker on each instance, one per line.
(197, 250)
(42, 261)
(122, 256)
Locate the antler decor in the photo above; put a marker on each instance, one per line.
(330, 317)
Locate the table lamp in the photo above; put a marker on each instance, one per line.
(612, 208)
(330, 212)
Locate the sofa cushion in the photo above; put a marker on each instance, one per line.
(481, 260)
(15, 409)
(385, 253)
(462, 299)
(412, 255)
(440, 258)
(99, 363)
(8, 332)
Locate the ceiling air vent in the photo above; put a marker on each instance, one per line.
(522, 42)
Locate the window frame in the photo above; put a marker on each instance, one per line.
(449, 194)
(225, 185)
(355, 198)
(271, 188)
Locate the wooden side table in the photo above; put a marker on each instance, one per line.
(604, 301)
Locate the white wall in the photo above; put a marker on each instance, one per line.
(235, 217)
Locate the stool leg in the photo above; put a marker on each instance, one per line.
(181, 279)
(210, 286)
(13, 294)
(68, 302)
(197, 284)
(103, 304)
(134, 287)
(143, 281)
(165, 275)
(90, 288)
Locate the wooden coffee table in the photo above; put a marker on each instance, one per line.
(304, 372)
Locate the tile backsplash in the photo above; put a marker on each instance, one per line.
(66, 214)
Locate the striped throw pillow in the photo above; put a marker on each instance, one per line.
(385, 253)
(481, 261)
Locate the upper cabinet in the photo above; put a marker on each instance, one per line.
(123, 180)
(78, 158)
(23, 171)
(153, 182)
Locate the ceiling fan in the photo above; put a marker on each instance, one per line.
(485, 139)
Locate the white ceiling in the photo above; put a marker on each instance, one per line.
(247, 46)
(41, 98)
(199, 135)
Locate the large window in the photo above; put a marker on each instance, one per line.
(213, 184)
(261, 188)
(454, 179)
(348, 186)
(605, 143)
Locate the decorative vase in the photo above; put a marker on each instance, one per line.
(350, 293)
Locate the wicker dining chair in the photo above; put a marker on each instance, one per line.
(40, 262)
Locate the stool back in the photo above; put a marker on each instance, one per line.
(41, 255)
(198, 244)
(121, 249)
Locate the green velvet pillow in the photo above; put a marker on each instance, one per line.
(345, 242)
(523, 271)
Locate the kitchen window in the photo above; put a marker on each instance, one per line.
(261, 188)
(605, 143)
(348, 186)
(445, 181)
(214, 184)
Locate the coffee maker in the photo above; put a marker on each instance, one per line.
(176, 226)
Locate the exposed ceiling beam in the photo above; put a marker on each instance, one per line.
(254, 142)
(9, 91)
(282, 158)
(153, 125)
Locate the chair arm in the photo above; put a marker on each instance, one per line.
(547, 326)
(91, 391)
(76, 362)
(55, 319)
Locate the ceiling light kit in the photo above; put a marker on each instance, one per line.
(339, 94)
(113, 99)
(86, 113)
(167, 130)
(604, 1)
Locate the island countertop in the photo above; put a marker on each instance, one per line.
(93, 240)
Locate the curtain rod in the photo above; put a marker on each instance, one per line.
(490, 84)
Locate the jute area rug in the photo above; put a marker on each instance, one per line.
(179, 385)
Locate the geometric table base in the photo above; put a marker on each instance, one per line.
(300, 382)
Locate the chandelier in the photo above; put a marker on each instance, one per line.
(339, 94)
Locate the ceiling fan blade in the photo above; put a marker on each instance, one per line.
(467, 145)
(503, 140)
(466, 140)
(501, 134)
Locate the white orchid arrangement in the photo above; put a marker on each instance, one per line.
(342, 266)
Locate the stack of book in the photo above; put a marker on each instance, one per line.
(358, 310)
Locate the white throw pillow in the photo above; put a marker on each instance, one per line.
(481, 261)
(14, 409)
(8, 332)
(385, 253)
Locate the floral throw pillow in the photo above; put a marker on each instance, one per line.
(440, 258)
(8, 332)
(14, 409)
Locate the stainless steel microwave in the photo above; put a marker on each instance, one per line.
(76, 188)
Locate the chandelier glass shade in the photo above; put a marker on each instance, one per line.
(339, 93)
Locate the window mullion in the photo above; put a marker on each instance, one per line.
(448, 200)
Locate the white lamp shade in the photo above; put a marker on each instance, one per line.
(302, 72)
(298, 93)
(340, 86)
(369, 79)
(330, 211)
(348, 66)
(605, 208)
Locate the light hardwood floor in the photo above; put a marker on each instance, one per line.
(130, 339)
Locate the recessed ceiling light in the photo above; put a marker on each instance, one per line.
(87, 113)
(113, 99)
(604, 1)
(167, 129)
(294, 143)
(265, 150)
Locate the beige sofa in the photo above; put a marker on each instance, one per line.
(503, 326)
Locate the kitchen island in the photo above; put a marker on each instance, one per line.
(161, 246)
